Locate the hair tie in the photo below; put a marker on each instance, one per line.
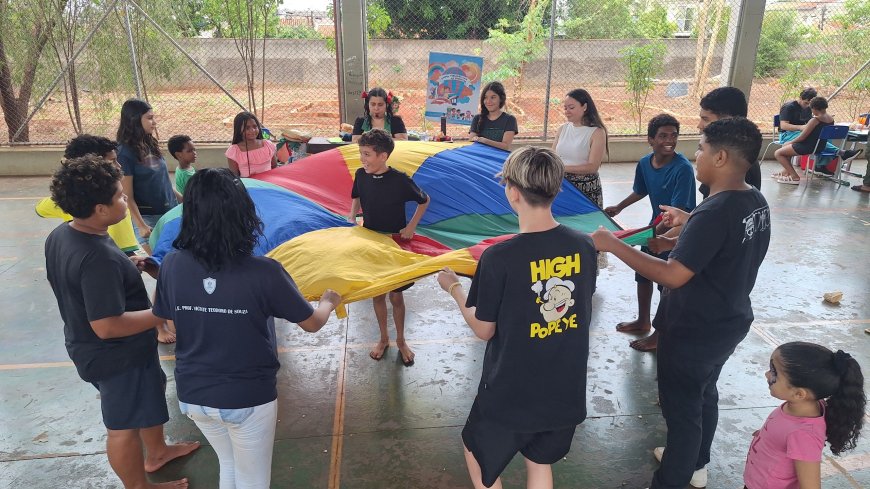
(389, 97)
(841, 361)
(365, 94)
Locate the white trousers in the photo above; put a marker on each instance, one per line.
(243, 440)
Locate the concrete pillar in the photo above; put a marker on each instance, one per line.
(351, 39)
(744, 32)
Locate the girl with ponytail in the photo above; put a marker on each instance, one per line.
(824, 400)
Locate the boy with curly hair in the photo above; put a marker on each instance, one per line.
(108, 324)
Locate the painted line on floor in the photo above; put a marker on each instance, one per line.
(820, 322)
(338, 420)
(845, 465)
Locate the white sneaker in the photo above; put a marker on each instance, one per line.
(699, 478)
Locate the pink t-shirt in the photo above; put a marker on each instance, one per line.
(782, 440)
(253, 161)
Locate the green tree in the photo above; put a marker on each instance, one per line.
(297, 32)
(653, 23)
(24, 36)
(781, 34)
(643, 62)
(518, 44)
(599, 19)
(446, 19)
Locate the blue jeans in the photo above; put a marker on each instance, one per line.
(150, 220)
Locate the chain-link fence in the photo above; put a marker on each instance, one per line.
(823, 44)
(198, 63)
(636, 58)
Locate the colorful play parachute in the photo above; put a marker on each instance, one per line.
(304, 207)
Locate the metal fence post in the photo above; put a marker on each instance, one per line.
(351, 46)
(134, 61)
(549, 67)
(744, 33)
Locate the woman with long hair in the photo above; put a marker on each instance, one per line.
(249, 153)
(379, 114)
(224, 301)
(150, 191)
(582, 144)
(493, 126)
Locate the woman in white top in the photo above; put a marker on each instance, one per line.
(582, 144)
(250, 153)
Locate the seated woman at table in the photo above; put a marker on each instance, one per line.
(379, 115)
(250, 153)
(493, 126)
(805, 143)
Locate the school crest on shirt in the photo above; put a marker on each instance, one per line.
(209, 284)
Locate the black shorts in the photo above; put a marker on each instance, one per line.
(134, 398)
(804, 148)
(494, 446)
(403, 288)
(640, 278)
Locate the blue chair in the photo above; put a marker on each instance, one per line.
(776, 134)
(829, 133)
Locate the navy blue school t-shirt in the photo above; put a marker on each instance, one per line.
(92, 279)
(152, 189)
(226, 353)
(382, 198)
(723, 243)
(672, 184)
(537, 289)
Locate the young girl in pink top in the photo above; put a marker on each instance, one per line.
(824, 399)
(250, 153)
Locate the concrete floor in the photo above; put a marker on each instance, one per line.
(347, 421)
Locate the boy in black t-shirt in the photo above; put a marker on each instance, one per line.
(705, 310)
(108, 324)
(531, 299)
(382, 192)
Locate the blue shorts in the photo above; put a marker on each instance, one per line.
(134, 398)
(494, 446)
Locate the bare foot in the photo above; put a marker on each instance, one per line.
(378, 351)
(180, 483)
(164, 335)
(153, 462)
(635, 327)
(650, 343)
(406, 353)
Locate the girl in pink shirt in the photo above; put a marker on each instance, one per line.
(824, 398)
(250, 153)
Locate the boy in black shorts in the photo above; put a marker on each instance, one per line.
(382, 192)
(705, 311)
(531, 299)
(108, 325)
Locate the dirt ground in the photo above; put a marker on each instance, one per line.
(206, 114)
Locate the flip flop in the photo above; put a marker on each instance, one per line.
(788, 181)
(860, 188)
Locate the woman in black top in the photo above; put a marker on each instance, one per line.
(805, 143)
(379, 115)
(493, 126)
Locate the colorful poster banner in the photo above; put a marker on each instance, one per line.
(453, 89)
